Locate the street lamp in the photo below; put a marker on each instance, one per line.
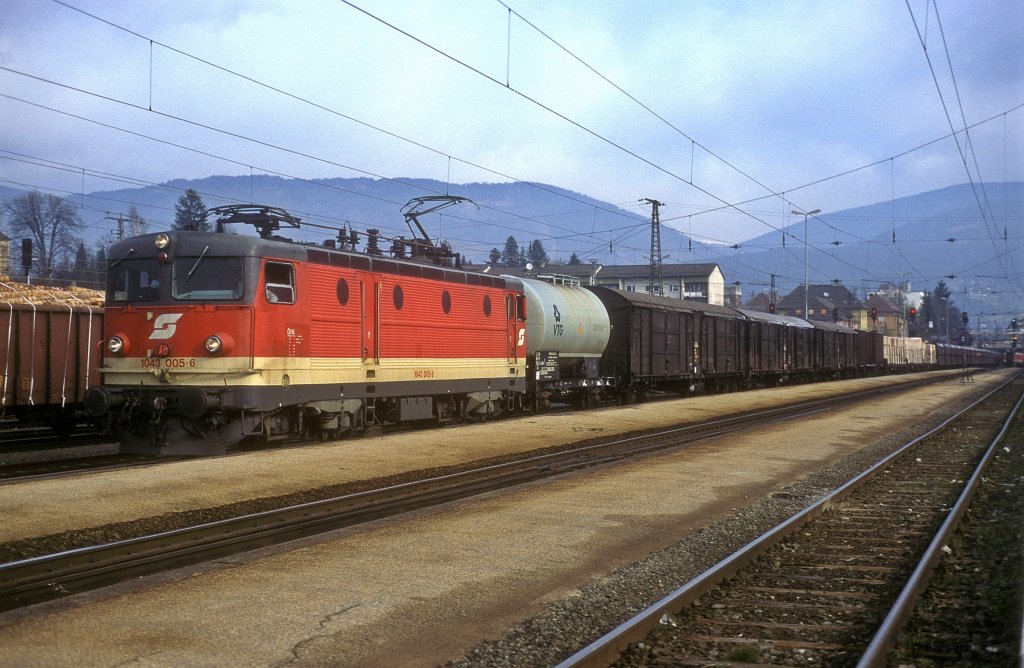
(809, 213)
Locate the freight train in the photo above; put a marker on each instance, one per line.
(213, 339)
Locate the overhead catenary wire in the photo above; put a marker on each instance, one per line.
(296, 97)
(949, 119)
(271, 87)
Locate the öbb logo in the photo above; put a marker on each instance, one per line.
(164, 326)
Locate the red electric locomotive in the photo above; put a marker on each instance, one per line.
(213, 338)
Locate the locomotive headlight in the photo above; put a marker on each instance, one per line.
(116, 344)
(214, 344)
(219, 344)
(162, 241)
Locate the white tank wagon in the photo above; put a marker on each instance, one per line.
(567, 330)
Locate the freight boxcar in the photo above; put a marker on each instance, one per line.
(50, 356)
(671, 344)
(770, 344)
(871, 352)
(951, 356)
(834, 351)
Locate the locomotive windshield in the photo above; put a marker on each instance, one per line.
(134, 281)
(204, 278)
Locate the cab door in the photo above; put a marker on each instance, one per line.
(369, 319)
(515, 311)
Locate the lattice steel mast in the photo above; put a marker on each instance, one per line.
(656, 276)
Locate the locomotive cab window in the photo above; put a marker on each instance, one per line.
(206, 278)
(134, 281)
(279, 282)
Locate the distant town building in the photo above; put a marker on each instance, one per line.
(830, 302)
(734, 295)
(885, 317)
(759, 302)
(835, 303)
(694, 282)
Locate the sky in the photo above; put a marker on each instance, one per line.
(764, 106)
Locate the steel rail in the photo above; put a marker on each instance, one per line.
(37, 579)
(609, 647)
(893, 624)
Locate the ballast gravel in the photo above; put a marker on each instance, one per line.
(572, 623)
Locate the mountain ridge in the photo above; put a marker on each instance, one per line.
(854, 246)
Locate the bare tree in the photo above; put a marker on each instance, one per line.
(50, 222)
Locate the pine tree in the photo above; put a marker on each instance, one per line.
(189, 213)
(537, 255)
(510, 257)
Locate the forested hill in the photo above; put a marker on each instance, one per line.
(564, 221)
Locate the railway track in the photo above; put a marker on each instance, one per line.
(25, 471)
(46, 576)
(15, 439)
(835, 584)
